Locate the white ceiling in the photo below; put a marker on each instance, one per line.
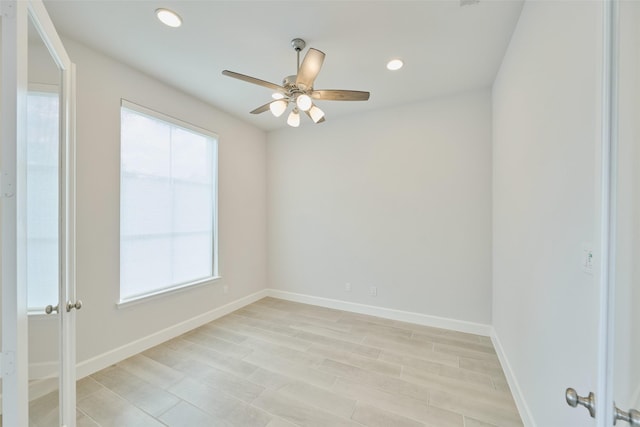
(447, 48)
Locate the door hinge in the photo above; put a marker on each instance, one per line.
(8, 9)
(8, 360)
(7, 187)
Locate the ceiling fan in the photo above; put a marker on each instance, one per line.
(298, 90)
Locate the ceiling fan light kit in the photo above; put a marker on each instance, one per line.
(278, 107)
(294, 118)
(316, 114)
(297, 90)
(304, 103)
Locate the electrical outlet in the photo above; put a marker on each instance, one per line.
(347, 287)
(373, 291)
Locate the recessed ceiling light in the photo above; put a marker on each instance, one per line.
(395, 64)
(169, 17)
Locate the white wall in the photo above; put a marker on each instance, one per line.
(102, 327)
(399, 199)
(546, 128)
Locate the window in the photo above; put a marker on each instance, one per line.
(42, 197)
(168, 203)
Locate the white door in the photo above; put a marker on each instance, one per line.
(617, 401)
(623, 386)
(38, 349)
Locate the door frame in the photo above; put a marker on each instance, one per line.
(608, 212)
(16, 15)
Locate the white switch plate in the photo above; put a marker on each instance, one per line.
(588, 259)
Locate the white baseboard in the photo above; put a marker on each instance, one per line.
(516, 391)
(43, 370)
(97, 363)
(387, 313)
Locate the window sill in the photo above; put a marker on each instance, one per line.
(155, 295)
(38, 313)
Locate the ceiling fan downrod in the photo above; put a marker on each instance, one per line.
(298, 45)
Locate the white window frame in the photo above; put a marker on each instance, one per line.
(124, 302)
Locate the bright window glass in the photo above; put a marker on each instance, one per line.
(42, 199)
(167, 203)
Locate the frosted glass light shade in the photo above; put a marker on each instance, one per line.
(278, 107)
(316, 114)
(294, 119)
(304, 102)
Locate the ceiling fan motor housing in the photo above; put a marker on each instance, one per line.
(293, 90)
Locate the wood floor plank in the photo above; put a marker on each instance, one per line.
(249, 416)
(151, 371)
(372, 416)
(297, 412)
(340, 355)
(478, 409)
(404, 405)
(290, 368)
(110, 410)
(186, 415)
(148, 397)
(470, 422)
(319, 398)
(209, 399)
(226, 382)
(373, 379)
(82, 420)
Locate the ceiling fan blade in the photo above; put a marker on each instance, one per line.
(253, 80)
(262, 108)
(309, 68)
(322, 119)
(340, 95)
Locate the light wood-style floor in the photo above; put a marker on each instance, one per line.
(277, 363)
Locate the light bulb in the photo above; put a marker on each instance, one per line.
(316, 114)
(304, 102)
(277, 95)
(169, 17)
(294, 119)
(278, 107)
